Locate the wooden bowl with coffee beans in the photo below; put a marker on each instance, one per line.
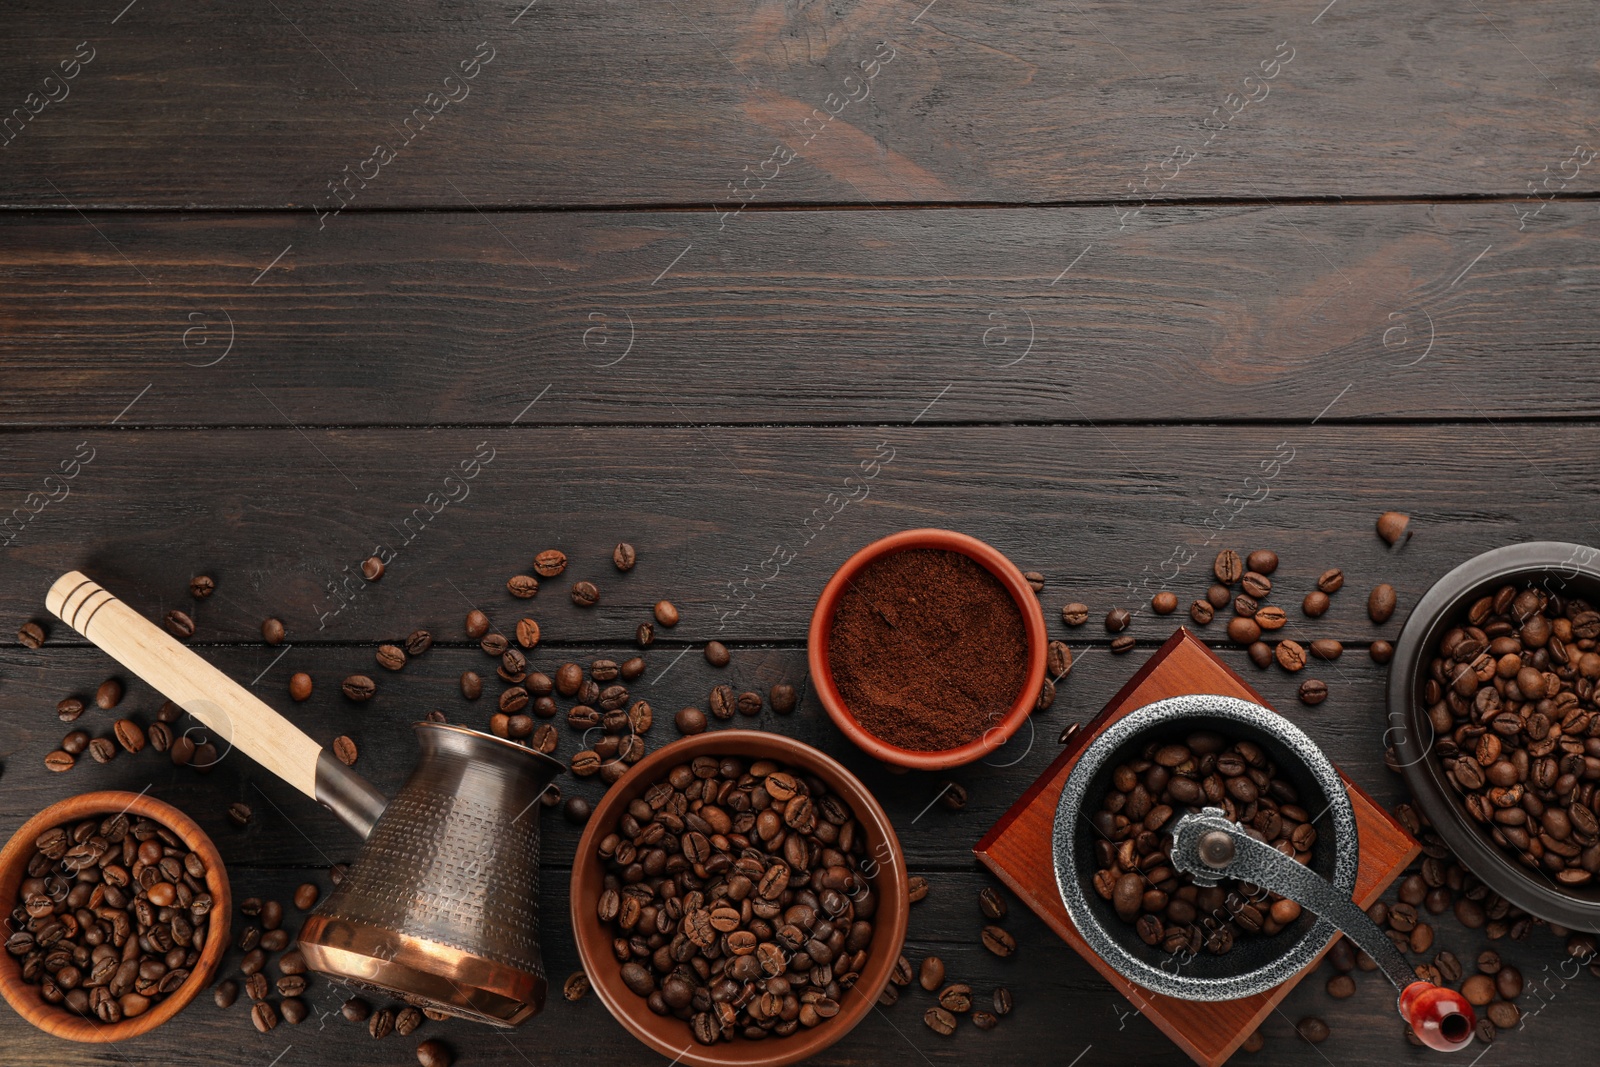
(750, 864)
(87, 877)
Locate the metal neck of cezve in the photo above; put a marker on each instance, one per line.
(351, 797)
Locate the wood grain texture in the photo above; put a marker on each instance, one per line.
(585, 103)
(1243, 313)
(1018, 849)
(742, 527)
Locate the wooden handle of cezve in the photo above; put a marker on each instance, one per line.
(239, 718)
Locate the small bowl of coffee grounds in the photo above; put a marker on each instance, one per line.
(927, 648)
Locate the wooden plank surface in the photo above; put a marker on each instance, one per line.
(586, 103)
(1239, 313)
(741, 527)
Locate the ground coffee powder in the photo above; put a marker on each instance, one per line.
(928, 649)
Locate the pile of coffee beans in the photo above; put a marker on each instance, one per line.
(739, 897)
(1510, 693)
(112, 917)
(1169, 779)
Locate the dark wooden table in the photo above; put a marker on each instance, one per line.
(1087, 270)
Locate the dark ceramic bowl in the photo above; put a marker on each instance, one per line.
(1568, 569)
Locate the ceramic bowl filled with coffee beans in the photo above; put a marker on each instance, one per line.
(118, 908)
(739, 898)
(1494, 717)
(927, 648)
(1165, 928)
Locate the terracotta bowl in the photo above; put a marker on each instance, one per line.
(58, 1021)
(670, 1036)
(822, 627)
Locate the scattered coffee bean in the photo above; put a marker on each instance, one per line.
(1243, 631)
(1478, 989)
(294, 1010)
(109, 695)
(645, 635)
(623, 557)
(1503, 1014)
(1380, 603)
(666, 614)
(1290, 656)
(527, 633)
(690, 721)
(1218, 596)
(1341, 986)
(179, 624)
(59, 761)
(372, 568)
(240, 813)
(1262, 561)
(434, 1053)
(406, 1020)
(30, 635)
(1201, 612)
(345, 750)
(1228, 567)
(102, 750)
(391, 657)
(1035, 580)
(417, 642)
(940, 1021)
(1312, 1029)
(522, 586)
(273, 632)
(992, 904)
(1117, 620)
(1058, 658)
(782, 698)
(1327, 648)
(471, 685)
(956, 998)
(1331, 581)
(264, 1015)
(1449, 966)
(1260, 654)
(576, 811)
(1002, 1000)
(998, 941)
(75, 743)
(1313, 691)
(1256, 585)
(1381, 651)
(359, 687)
(477, 624)
(953, 797)
(381, 1024)
(356, 1010)
(585, 594)
(1255, 1042)
(1271, 617)
(1075, 614)
(1508, 982)
(1246, 605)
(576, 987)
(1392, 526)
(984, 1020)
(717, 653)
(749, 703)
(271, 915)
(1316, 603)
(300, 687)
(69, 709)
(930, 975)
(305, 897)
(226, 993)
(1164, 603)
(550, 563)
(1489, 961)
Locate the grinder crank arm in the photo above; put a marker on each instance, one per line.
(1210, 847)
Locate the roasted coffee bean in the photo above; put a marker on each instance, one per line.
(782, 697)
(1331, 581)
(1075, 614)
(1164, 603)
(434, 1053)
(666, 614)
(576, 987)
(1035, 580)
(305, 897)
(109, 695)
(1228, 568)
(59, 761)
(749, 703)
(494, 644)
(1262, 561)
(226, 993)
(264, 1015)
(1503, 1014)
(717, 653)
(1316, 603)
(940, 1021)
(956, 998)
(300, 687)
(992, 904)
(1243, 631)
(381, 1024)
(1478, 989)
(1201, 612)
(1449, 966)
(273, 632)
(102, 750)
(1290, 656)
(391, 657)
(550, 563)
(1489, 961)
(1381, 651)
(1313, 691)
(372, 568)
(569, 678)
(1246, 605)
(1341, 986)
(1260, 654)
(522, 586)
(623, 557)
(359, 687)
(240, 813)
(1271, 617)
(1117, 620)
(1002, 1001)
(1218, 596)
(1392, 526)
(345, 750)
(406, 1020)
(585, 763)
(916, 888)
(128, 735)
(1256, 585)
(527, 633)
(477, 624)
(69, 710)
(1508, 982)
(293, 961)
(998, 941)
(1327, 649)
(471, 685)
(690, 721)
(1381, 603)
(271, 915)
(179, 624)
(930, 975)
(585, 595)
(1312, 1029)
(355, 1010)
(294, 1010)
(1058, 658)
(1120, 644)
(75, 743)
(984, 1020)
(953, 797)
(576, 811)
(31, 635)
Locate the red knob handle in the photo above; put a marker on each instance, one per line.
(1442, 1018)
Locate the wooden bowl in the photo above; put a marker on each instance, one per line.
(670, 1036)
(992, 560)
(59, 1021)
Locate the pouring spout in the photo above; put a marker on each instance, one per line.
(351, 797)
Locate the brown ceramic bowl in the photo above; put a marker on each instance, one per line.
(670, 1036)
(992, 560)
(59, 1021)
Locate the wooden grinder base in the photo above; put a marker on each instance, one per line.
(1018, 850)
